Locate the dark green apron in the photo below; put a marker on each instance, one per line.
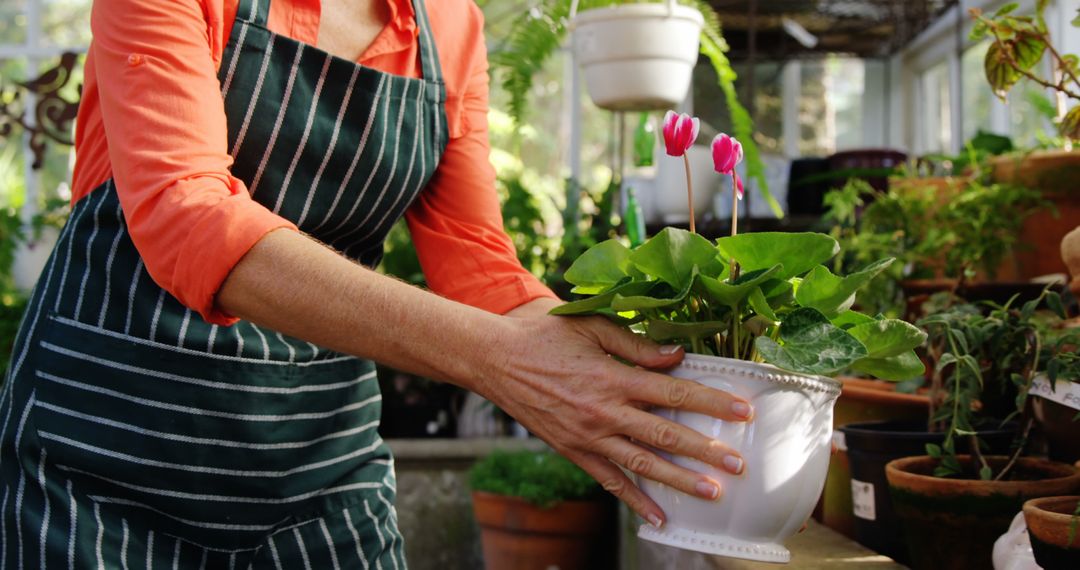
(135, 434)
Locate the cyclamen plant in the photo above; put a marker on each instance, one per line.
(762, 297)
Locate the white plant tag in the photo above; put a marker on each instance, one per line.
(862, 499)
(1063, 392)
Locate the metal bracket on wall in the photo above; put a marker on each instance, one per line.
(39, 109)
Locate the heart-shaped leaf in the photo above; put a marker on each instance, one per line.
(848, 319)
(600, 267)
(671, 255)
(832, 294)
(760, 304)
(646, 302)
(811, 345)
(667, 331)
(888, 337)
(796, 252)
(900, 367)
(731, 294)
(594, 305)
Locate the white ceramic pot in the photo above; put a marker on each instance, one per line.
(643, 181)
(637, 57)
(669, 193)
(786, 448)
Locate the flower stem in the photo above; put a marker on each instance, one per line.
(689, 192)
(734, 221)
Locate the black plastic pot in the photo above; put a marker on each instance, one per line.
(870, 446)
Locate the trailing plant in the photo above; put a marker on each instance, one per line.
(985, 357)
(541, 478)
(538, 32)
(1019, 44)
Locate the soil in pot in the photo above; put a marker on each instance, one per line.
(951, 524)
(572, 535)
(1052, 527)
(872, 445)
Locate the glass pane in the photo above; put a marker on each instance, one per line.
(830, 105)
(847, 81)
(977, 95)
(13, 22)
(65, 23)
(1031, 112)
(937, 112)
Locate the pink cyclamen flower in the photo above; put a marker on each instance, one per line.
(727, 153)
(738, 186)
(680, 132)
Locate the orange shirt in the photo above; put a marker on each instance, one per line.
(152, 118)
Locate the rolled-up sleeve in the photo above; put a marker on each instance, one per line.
(164, 118)
(456, 223)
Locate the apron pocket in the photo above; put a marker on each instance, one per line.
(219, 450)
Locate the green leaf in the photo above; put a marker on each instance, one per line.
(1010, 7)
(643, 303)
(985, 473)
(888, 337)
(594, 305)
(1053, 300)
(832, 294)
(760, 304)
(1070, 125)
(848, 319)
(811, 345)
(1005, 60)
(900, 367)
(731, 294)
(1076, 20)
(797, 252)
(671, 255)
(933, 450)
(600, 267)
(667, 331)
(778, 292)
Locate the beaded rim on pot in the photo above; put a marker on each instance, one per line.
(761, 371)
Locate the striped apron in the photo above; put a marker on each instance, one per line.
(136, 435)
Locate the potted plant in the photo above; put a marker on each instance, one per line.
(1052, 527)
(1056, 392)
(953, 506)
(537, 510)
(1019, 46)
(760, 317)
(538, 33)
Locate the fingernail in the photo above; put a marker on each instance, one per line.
(669, 349)
(742, 409)
(708, 490)
(733, 463)
(656, 521)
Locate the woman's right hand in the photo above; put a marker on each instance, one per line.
(559, 380)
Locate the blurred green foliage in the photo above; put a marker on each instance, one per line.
(541, 478)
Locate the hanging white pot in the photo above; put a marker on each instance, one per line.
(786, 449)
(637, 57)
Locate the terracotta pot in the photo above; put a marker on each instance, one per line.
(1054, 173)
(1050, 522)
(518, 535)
(861, 400)
(953, 523)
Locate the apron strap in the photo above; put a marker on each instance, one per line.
(429, 55)
(254, 12)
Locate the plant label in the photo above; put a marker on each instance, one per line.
(862, 499)
(1064, 392)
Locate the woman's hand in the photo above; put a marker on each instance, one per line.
(560, 381)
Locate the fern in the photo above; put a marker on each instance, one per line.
(539, 32)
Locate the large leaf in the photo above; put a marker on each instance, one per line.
(811, 345)
(888, 337)
(646, 302)
(760, 304)
(797, 252)
(900, 367)
(848, 319)
(600, 267)
(594, 305)
(832, 294)
(731, 294)
(1006, 59)
(671, 255)
(1070, 124)
(667, 331)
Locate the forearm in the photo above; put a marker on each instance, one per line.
(293, 284)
